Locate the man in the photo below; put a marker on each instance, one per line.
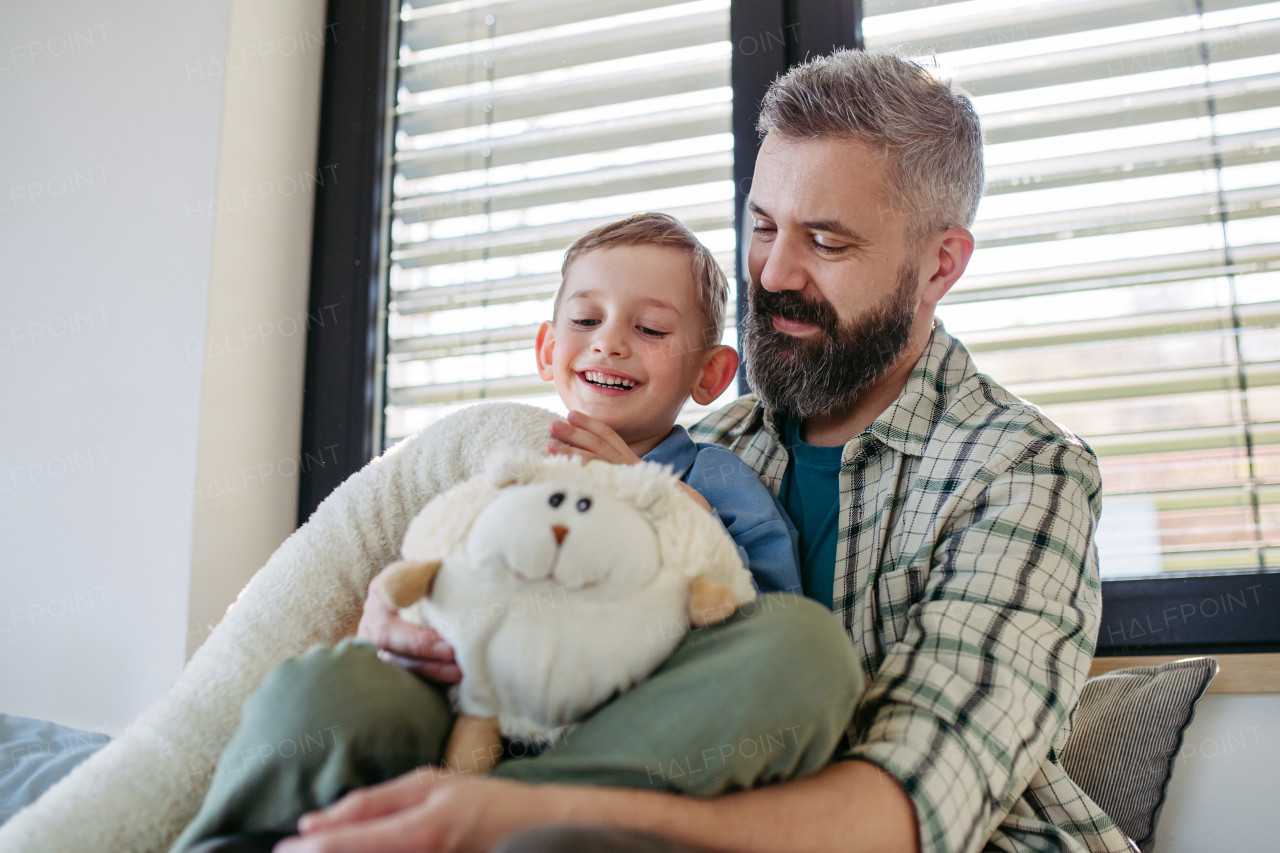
(948, 524)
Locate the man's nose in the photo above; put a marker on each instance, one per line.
(559, 531)
(783, 267)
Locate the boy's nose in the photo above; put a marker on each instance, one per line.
(610, 343)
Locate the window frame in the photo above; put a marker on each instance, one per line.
(344, 385)
(344, 389)
(769, 36)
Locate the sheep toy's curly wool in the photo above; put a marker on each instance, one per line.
(544, 633)
(689, 539)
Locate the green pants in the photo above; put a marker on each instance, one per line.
(761, 698)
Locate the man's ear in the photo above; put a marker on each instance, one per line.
(543, 349)
(719, 367)
(953, 248)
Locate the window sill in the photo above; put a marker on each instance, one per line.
(1254, 673)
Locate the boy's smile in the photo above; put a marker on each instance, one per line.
(627, 343)
(608, 382)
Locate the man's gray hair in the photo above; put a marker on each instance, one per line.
(925, 126)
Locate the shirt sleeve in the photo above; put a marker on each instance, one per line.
(752, 516)
(769, 552)
(1000, 631)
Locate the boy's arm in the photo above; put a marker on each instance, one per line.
(413, 647)
(753, 517)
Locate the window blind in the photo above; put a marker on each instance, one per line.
(1127, 278)
(520, 125)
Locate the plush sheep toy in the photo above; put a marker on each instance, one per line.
(558, 584)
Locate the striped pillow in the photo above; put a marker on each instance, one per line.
(1128, 730)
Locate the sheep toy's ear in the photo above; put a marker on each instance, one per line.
(507, 466)
(402, 583)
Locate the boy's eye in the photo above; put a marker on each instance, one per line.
(585, 323)
(653, 333)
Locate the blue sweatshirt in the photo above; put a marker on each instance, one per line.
(767, 540)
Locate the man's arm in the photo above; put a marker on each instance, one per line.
(996, 640)
(848, 807)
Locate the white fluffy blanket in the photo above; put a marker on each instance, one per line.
(141, 790)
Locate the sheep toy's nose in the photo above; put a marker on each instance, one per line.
(560, 532)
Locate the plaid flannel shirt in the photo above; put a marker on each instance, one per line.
(967, 579)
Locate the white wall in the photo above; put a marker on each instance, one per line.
(141, 218)
(1225, 790)
(103, 285)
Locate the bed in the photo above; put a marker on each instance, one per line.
(34, 754)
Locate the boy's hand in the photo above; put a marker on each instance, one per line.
(413, 647)
(591, 439)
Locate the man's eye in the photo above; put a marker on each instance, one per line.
(652, 333)
(825, 249)
(762, 228)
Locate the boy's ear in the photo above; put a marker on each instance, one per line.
(718, 369)
(543, 349)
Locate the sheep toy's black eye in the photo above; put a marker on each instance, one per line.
(556, 499)
(584, 504)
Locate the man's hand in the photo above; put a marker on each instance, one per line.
(848, 807)
(428, 809)
(593, 439)
(415, 648)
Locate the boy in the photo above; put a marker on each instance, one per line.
(635, 332)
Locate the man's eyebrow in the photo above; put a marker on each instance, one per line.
(831, 226)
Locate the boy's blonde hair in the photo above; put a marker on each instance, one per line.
(659, 229)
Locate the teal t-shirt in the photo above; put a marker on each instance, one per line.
(811, 496)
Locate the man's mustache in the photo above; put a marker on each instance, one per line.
(790, 305)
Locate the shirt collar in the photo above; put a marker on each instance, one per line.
(677, 451)
(907, 424)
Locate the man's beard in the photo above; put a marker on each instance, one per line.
(824, 373)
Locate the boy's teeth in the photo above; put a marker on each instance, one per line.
(606, 379)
